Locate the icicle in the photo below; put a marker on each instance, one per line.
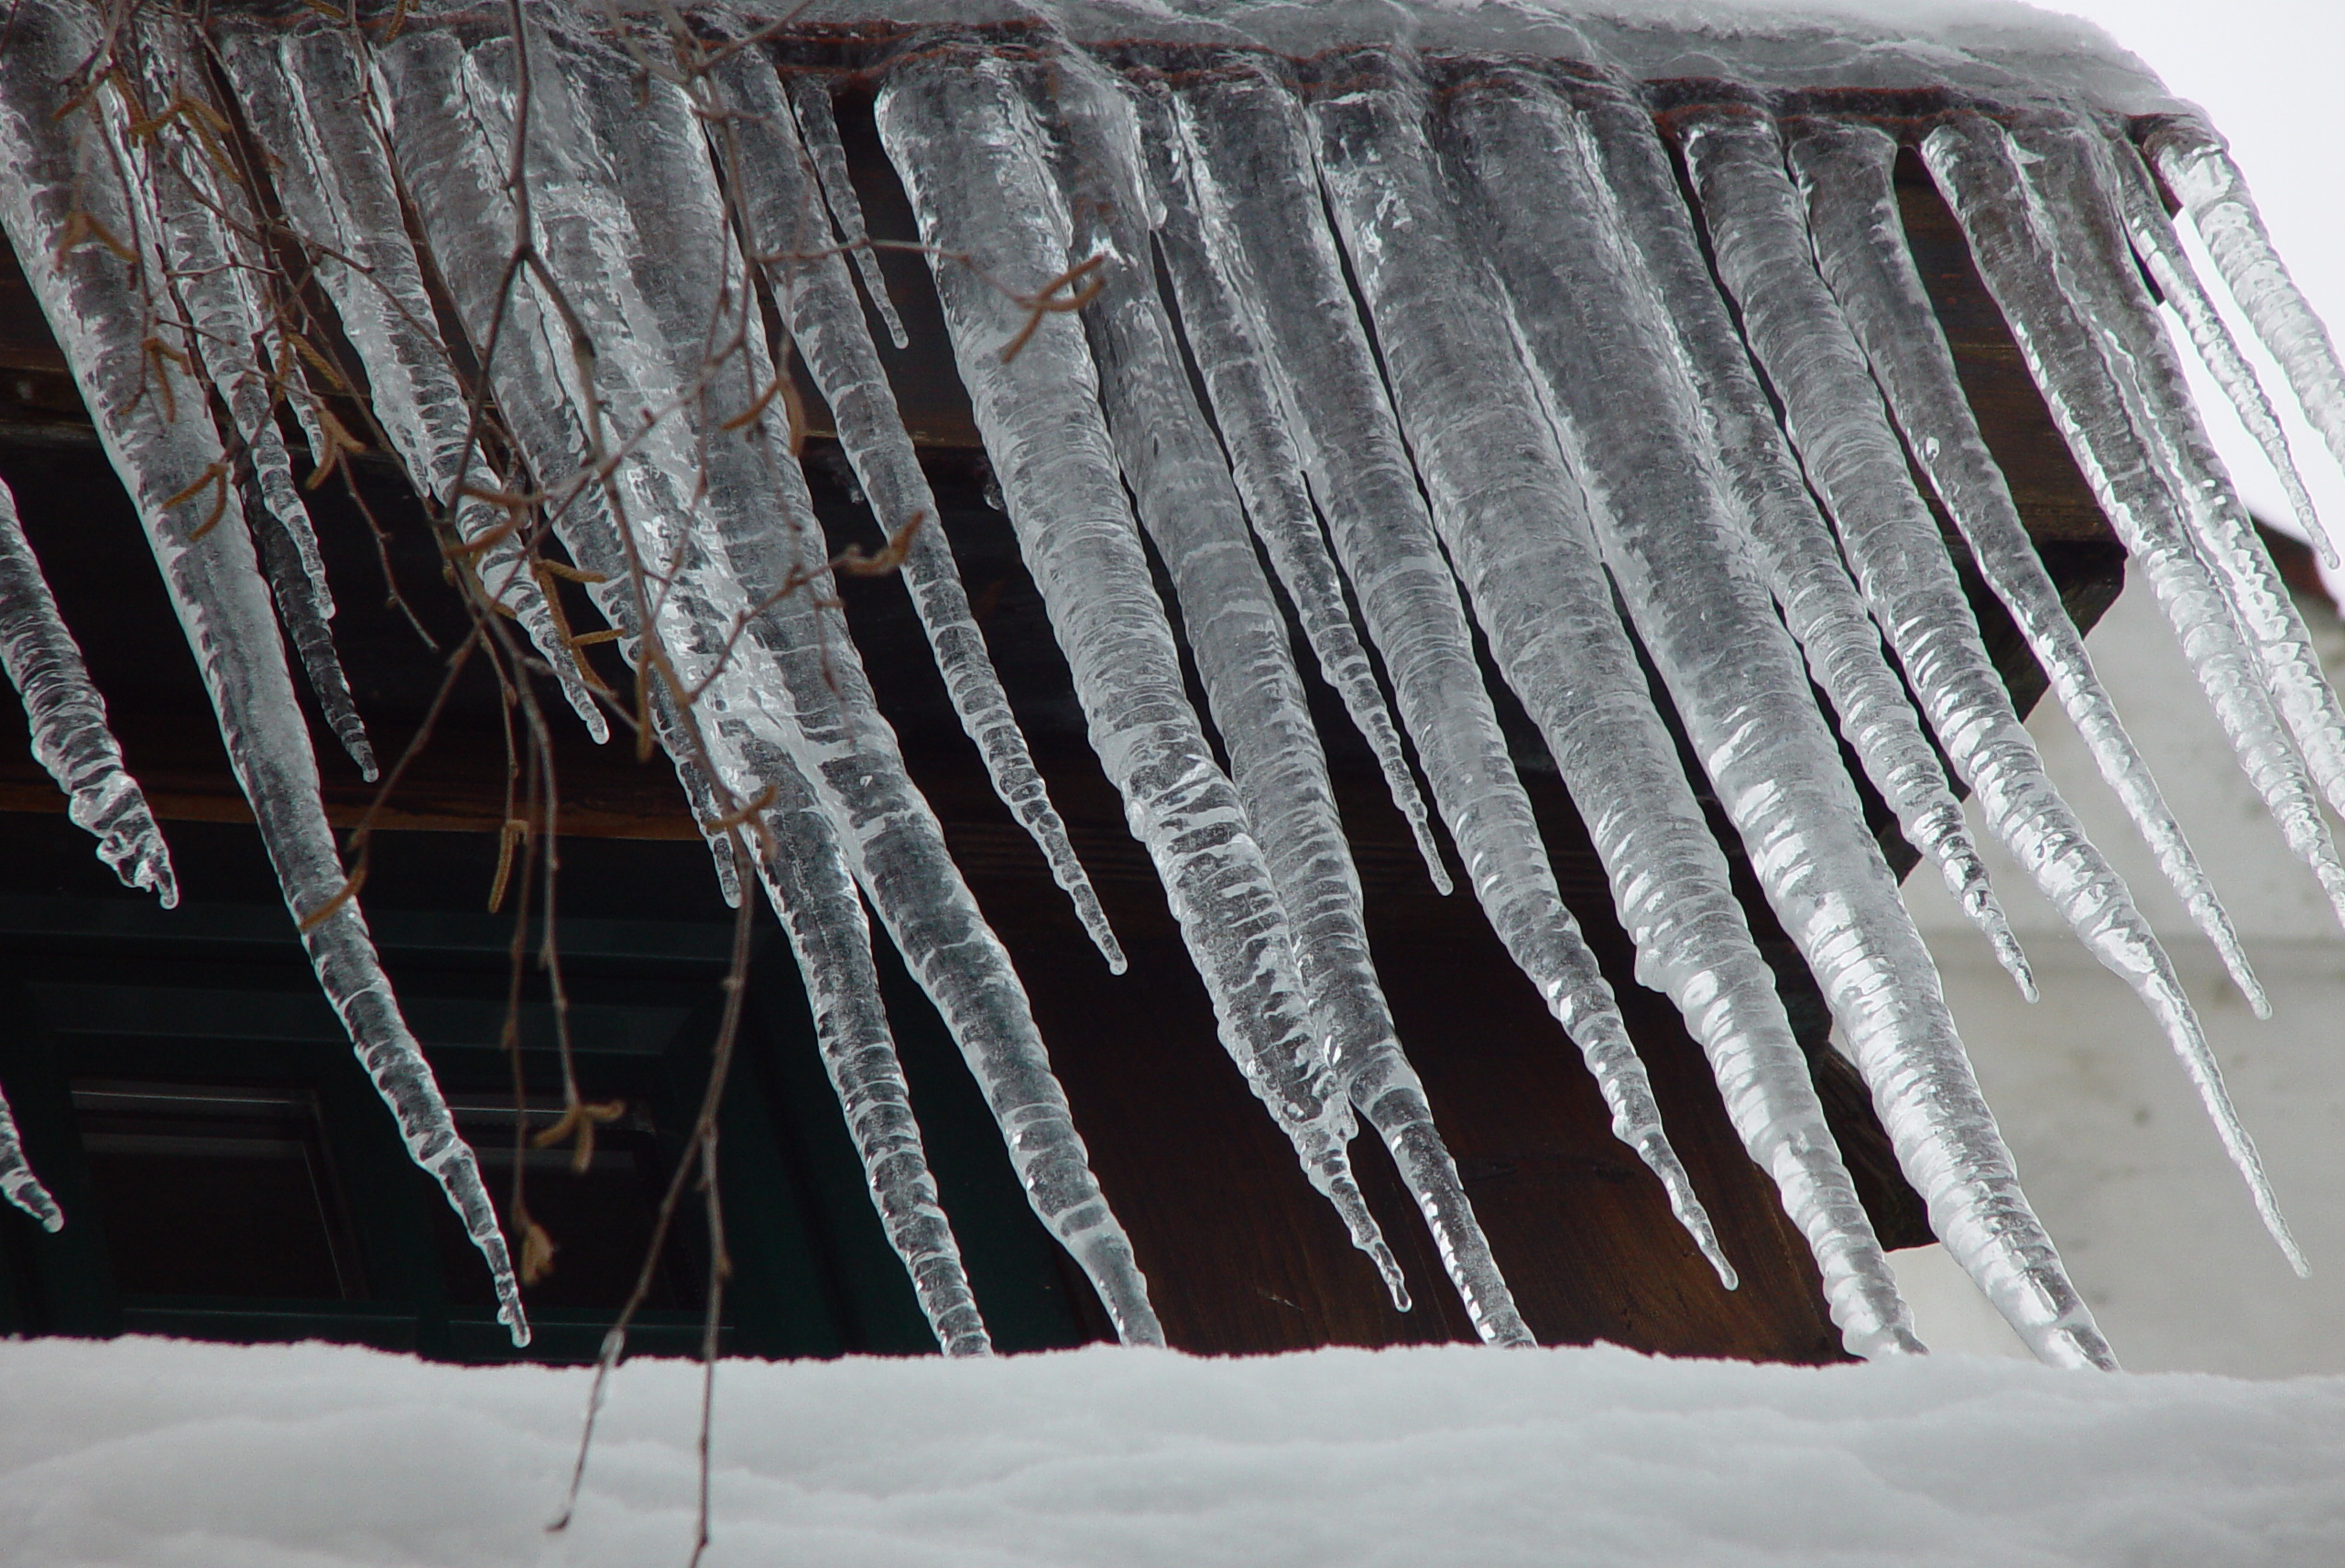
(778, 205)
(1518, 528)
(2199, 169)
(199, 208)
(2160, 253)
(816, 896)
(1512, 515)
(149, 414)
(1975, 166)
(703, 797)
(2066, 166)
(18, 1183)
(789, 685)
(810, 97)
(1589, 314)
(1238, 635)
(1836, 419)
(1788, 535)
(1846, 172)
(1274, 264)
(690, 296)
(309, 105)
(960, 140)
(1268, 470)
(68, 720)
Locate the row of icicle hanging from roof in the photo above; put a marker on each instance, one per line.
(1565, 405)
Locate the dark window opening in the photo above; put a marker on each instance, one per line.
(212, 1191)
(600, 1219)
(227, 1172)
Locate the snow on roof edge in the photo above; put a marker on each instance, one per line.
(1999, 49)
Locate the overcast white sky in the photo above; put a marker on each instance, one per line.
(2267, 72)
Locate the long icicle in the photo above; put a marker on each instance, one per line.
(1525, 536)
(781, 206)
(1268, 470)
(818, 128)
(1771, 503)
(815, 894)
(1844, 171)
(1275, 266)
(1517, 528)
(1191, 508)
(744, 709)
(2160, 252)
(1975, 166)
(1834, 409)
(68, 720)
(2198, 168)
(959, 136)
(454, 122)
(2069, 170)
(1706, 617)
(309, 100)
(18, 1183)
(209, 241)
(17, 1179)
(688, 294)
(148, 413)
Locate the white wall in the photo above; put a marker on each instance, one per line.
(2154, 1225)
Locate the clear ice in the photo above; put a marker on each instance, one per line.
(815, 894)
(792, 684)
(1585, 311)
(1266, 467)
(1518, 530)
(1975, 166)
(1844, 173)
(18, 1183)
(1978, 169)
(1189, 505)
(2160, 251)
(103, 306)
(960, 136)
(810, 98)
(2198, 168)
(313, 107)
(1436, 335)
(212, 247)
(781, 213)
(1837, 421)
(1254, 173)
(2068, 166)
(1772, 503)
(68, 720)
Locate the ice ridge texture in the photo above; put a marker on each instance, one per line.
(1305, 344)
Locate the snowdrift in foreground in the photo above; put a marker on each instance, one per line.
(155, 1451)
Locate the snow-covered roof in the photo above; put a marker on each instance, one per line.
(1992, 47)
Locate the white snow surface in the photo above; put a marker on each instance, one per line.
(158, 1451)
